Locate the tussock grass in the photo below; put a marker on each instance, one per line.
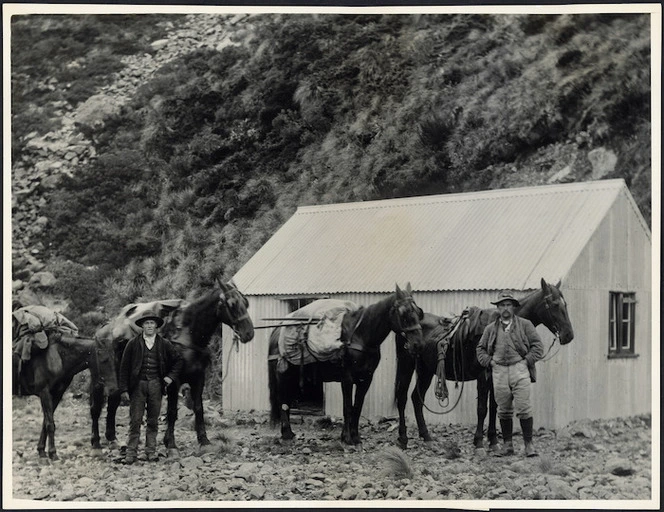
(395, 463)
(547, 465)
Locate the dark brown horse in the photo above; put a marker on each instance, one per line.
(116, 334)
(362, 332)
(191, 333)
(544, 306)
(49, 372)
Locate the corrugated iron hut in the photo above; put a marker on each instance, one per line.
(459, 250)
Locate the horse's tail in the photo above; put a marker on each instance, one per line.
(273, 350)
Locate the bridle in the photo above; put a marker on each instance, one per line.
(396, 316)
(554, 324)
(224, 302)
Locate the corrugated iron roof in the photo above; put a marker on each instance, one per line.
(496, 239)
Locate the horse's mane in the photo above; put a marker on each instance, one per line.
(200, 320)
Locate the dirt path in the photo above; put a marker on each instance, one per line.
(599, 460)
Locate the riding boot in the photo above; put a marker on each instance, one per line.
(506, 428)
(527, 429)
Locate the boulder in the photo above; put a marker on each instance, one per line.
(95, 110)
(42, 280)
(603, 162)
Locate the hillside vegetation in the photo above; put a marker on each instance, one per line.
(212, 152)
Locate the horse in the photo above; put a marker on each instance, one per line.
(116, 333)
(49, 372)
(543, 306)
(362, 332)
(190, 332)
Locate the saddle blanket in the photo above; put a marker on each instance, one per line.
(124, 326)
(318, 341)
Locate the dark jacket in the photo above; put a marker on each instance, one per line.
(169, 361)
(526, 341)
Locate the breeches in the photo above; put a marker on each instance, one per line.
(147, 395)
(511, 386)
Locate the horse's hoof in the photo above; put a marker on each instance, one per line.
(97, 452)
(493, 447)
(53, 456)
(173, 453)
(402, 444)
(480, 452)
(287, 436)
(113, 445)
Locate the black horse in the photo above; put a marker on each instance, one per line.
(362, 332)
(49, 372)
(544, 306)
(191, 333)
(115, 334)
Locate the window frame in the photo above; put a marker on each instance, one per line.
(622, 320)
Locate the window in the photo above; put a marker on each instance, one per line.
(621, 324)
(295, 303)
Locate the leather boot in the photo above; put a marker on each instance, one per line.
(506, 428)
(527, 429)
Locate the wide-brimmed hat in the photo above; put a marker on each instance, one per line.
(149, 315)
(506, 295)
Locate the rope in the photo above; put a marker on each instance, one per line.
(236, 344)
(445, 401)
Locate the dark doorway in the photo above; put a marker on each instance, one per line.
(311, 399)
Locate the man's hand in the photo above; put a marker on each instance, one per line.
(124, 396)
(492, 364)
(164, 385)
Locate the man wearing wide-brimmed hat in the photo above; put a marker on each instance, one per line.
(149, 365)
(510, 346)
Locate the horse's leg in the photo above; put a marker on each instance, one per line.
(421, 386)
(482, 399)
(284, 386)
(361, 388)
(493, 411)
(172, 398)
(96, 404)
(405, 369)
(112, 404)
(347, 392)
(197, 396)
(48, 426)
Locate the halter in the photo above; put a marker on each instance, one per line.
(223, 301)
(394, 309)
(556, 329)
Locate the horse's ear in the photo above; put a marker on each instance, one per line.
(545, 286)
(560, 281)
(408, 288)
(399, 292)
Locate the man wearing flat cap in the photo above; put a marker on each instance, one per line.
(510, 346)
(149, 365)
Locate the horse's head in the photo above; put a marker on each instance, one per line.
(553, 312)
(233, 307)
(405, 318)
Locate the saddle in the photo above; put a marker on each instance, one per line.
(316, 332)
(455, 330)
(31, 326)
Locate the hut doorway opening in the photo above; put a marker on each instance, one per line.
(311, 400)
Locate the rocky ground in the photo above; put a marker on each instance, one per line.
(598, 460)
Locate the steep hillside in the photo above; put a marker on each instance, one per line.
(153, 154)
